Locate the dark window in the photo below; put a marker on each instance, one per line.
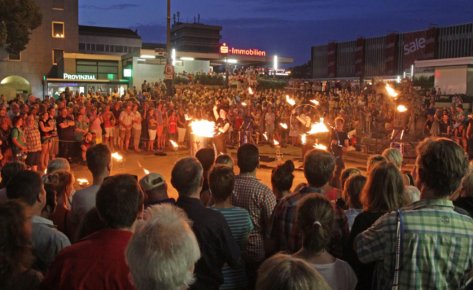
(58, 29)
(99, 47)
(58, 54)
(14, 56)
(81, 46)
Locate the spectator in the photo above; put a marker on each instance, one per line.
(259, 201)
(222, 182)
(65, 129)
(395, 156)
(384, 192)
(430, 226)
(156, 190)
(47, 241)
(213, 234)
(224, 159)
(351, 193)
(33, 144)
(465, 198)
(373, 160)
(281, 179)
(283, 272)
(98, 260)
(99, 162)
(318, 169)
(46, 130)
(346, 173)
(163, 252)
(206, 157)
(59, 186)
(19, 148)
(9, 171)
(15, 248)
(315, 218)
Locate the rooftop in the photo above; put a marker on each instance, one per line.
(108, 31)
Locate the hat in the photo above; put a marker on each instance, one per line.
(152, 181)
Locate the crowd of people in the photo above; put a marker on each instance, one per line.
(383, 229)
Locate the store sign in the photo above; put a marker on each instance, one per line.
(224, 49)
(67, 76)
(413, 46)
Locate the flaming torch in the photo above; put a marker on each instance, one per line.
(290, 100)
(82, 181)
(303, 139)
(244, 104)
(318, 127)
(174, 144)
(265, 135)
(315, 102)
(401, 108)
(283, 125)
(202, 132)
(117, 157)
(391, 92)
(250, 91)
(146, 171)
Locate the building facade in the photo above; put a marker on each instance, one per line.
(391, 55)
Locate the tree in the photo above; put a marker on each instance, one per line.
(17, 19)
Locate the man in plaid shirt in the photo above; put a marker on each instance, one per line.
(259, 200)
(436, 242)
(319, 166)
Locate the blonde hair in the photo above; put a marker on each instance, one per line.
(393, 155)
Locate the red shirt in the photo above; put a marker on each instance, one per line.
(95, 262)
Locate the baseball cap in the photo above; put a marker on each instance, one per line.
(152, 181)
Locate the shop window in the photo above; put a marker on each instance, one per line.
(99, 47)
(57, 29)
(14, 56)
(81, 46)
(58, 54)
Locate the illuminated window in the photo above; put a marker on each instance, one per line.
(58, 29)
(58, 54)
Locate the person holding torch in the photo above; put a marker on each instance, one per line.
(222, 125)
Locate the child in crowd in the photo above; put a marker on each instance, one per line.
(351, 193)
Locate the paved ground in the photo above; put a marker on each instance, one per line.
(137, 163)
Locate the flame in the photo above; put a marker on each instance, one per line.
(401, 108)
(290, 101)
(117, 156)
(203, 128)
(174, 144)
(146, 171)
(275, 142)
(320, 146)
(391, 92)
(265, 135)
(318, 127)
(303, 139)
(283, 125)
(82, 181)
(45, 171)
(250, 91)
(187, 117)
(243, 104)
(315, 102)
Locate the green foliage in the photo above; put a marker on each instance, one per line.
(18, 18)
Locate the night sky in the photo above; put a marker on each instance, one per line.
(284, 27)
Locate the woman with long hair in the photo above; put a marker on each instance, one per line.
(383, 192)
(16, 255)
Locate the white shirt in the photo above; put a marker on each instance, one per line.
(82, 202)
(339, 275)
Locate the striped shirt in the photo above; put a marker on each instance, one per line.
(437, 246)
(240, 224)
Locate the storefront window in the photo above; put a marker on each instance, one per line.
(103, 70)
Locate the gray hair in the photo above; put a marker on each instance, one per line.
(393, 155)
(162, 252)
(58, 164)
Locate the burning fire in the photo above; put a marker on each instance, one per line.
(117, 156)
(391, 92)
(250, 91)
(265, 135)
(401, 108)
(174, 144)
(303, 139)
(243, 104)
(275, 142)
(320, 146)
(203, 128)
(290, 100)
(283, 125)
(82, 181)
(318, 127)
(315, 102)
(146, 171)
(187, 117)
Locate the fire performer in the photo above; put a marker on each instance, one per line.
(339, 144)
(222, 125)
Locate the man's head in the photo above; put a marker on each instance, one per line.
(162, 253)
(119, 200)
(187, 176)
(10, 170)
(154, 187)
(221, 182)
(318, 167)
(441, 165)
(58, 164)
(206, 157)
(27, 186)
(224, 159)
(248, 158)
(99, 160)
